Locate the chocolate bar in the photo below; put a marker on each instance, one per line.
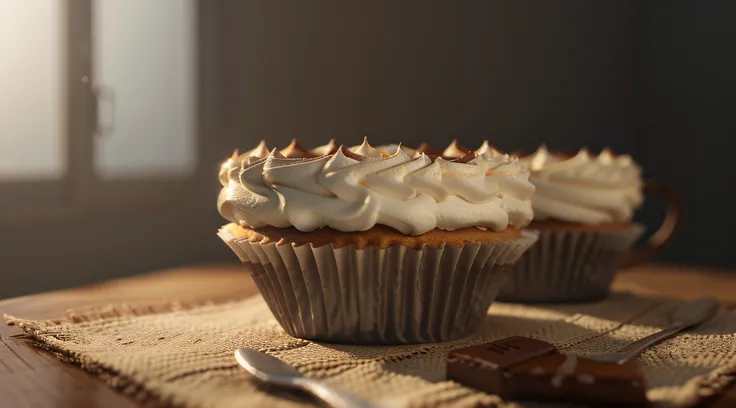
(524, 368)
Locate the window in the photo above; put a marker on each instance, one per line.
(31, 121)
(97, 104)
(144, 68)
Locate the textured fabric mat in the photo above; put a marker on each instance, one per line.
(183, 354)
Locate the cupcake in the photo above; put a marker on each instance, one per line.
(366, 246)
(583, 207)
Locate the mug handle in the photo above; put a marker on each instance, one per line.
(670, 226)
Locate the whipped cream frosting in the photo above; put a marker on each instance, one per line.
(584, 188)
(353, 189)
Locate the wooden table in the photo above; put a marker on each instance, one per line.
(31, 378)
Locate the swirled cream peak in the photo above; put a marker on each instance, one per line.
(390, 148)
(295, 151)
(486, 147)
(325, 149)
(584, 188)
(366, 150)
(455, 150)
(354, 189)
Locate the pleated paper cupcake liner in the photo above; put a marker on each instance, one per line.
(377, 295)
(569, 266)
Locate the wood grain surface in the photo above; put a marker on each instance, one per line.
(33, 378)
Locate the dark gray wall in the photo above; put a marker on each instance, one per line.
(688, 90)
(518, 73)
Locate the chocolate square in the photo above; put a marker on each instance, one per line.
(483, 366)
(571, 378)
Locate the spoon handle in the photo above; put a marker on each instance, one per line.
(690, 314)
(634, 349)
(330, 395)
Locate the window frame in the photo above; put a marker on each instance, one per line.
(79, 191)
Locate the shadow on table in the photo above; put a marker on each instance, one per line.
(503, 326)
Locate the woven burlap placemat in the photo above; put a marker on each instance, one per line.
(182, 355)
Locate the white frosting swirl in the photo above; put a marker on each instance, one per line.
(357, 188)
(584, 188)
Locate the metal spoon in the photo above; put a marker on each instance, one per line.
(273, 371)
(688, 315)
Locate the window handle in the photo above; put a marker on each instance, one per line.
(104, 109)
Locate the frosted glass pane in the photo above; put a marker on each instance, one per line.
(144, 51)
(31, 115)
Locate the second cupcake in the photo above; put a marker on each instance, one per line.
(365, 246)
(583, 206)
